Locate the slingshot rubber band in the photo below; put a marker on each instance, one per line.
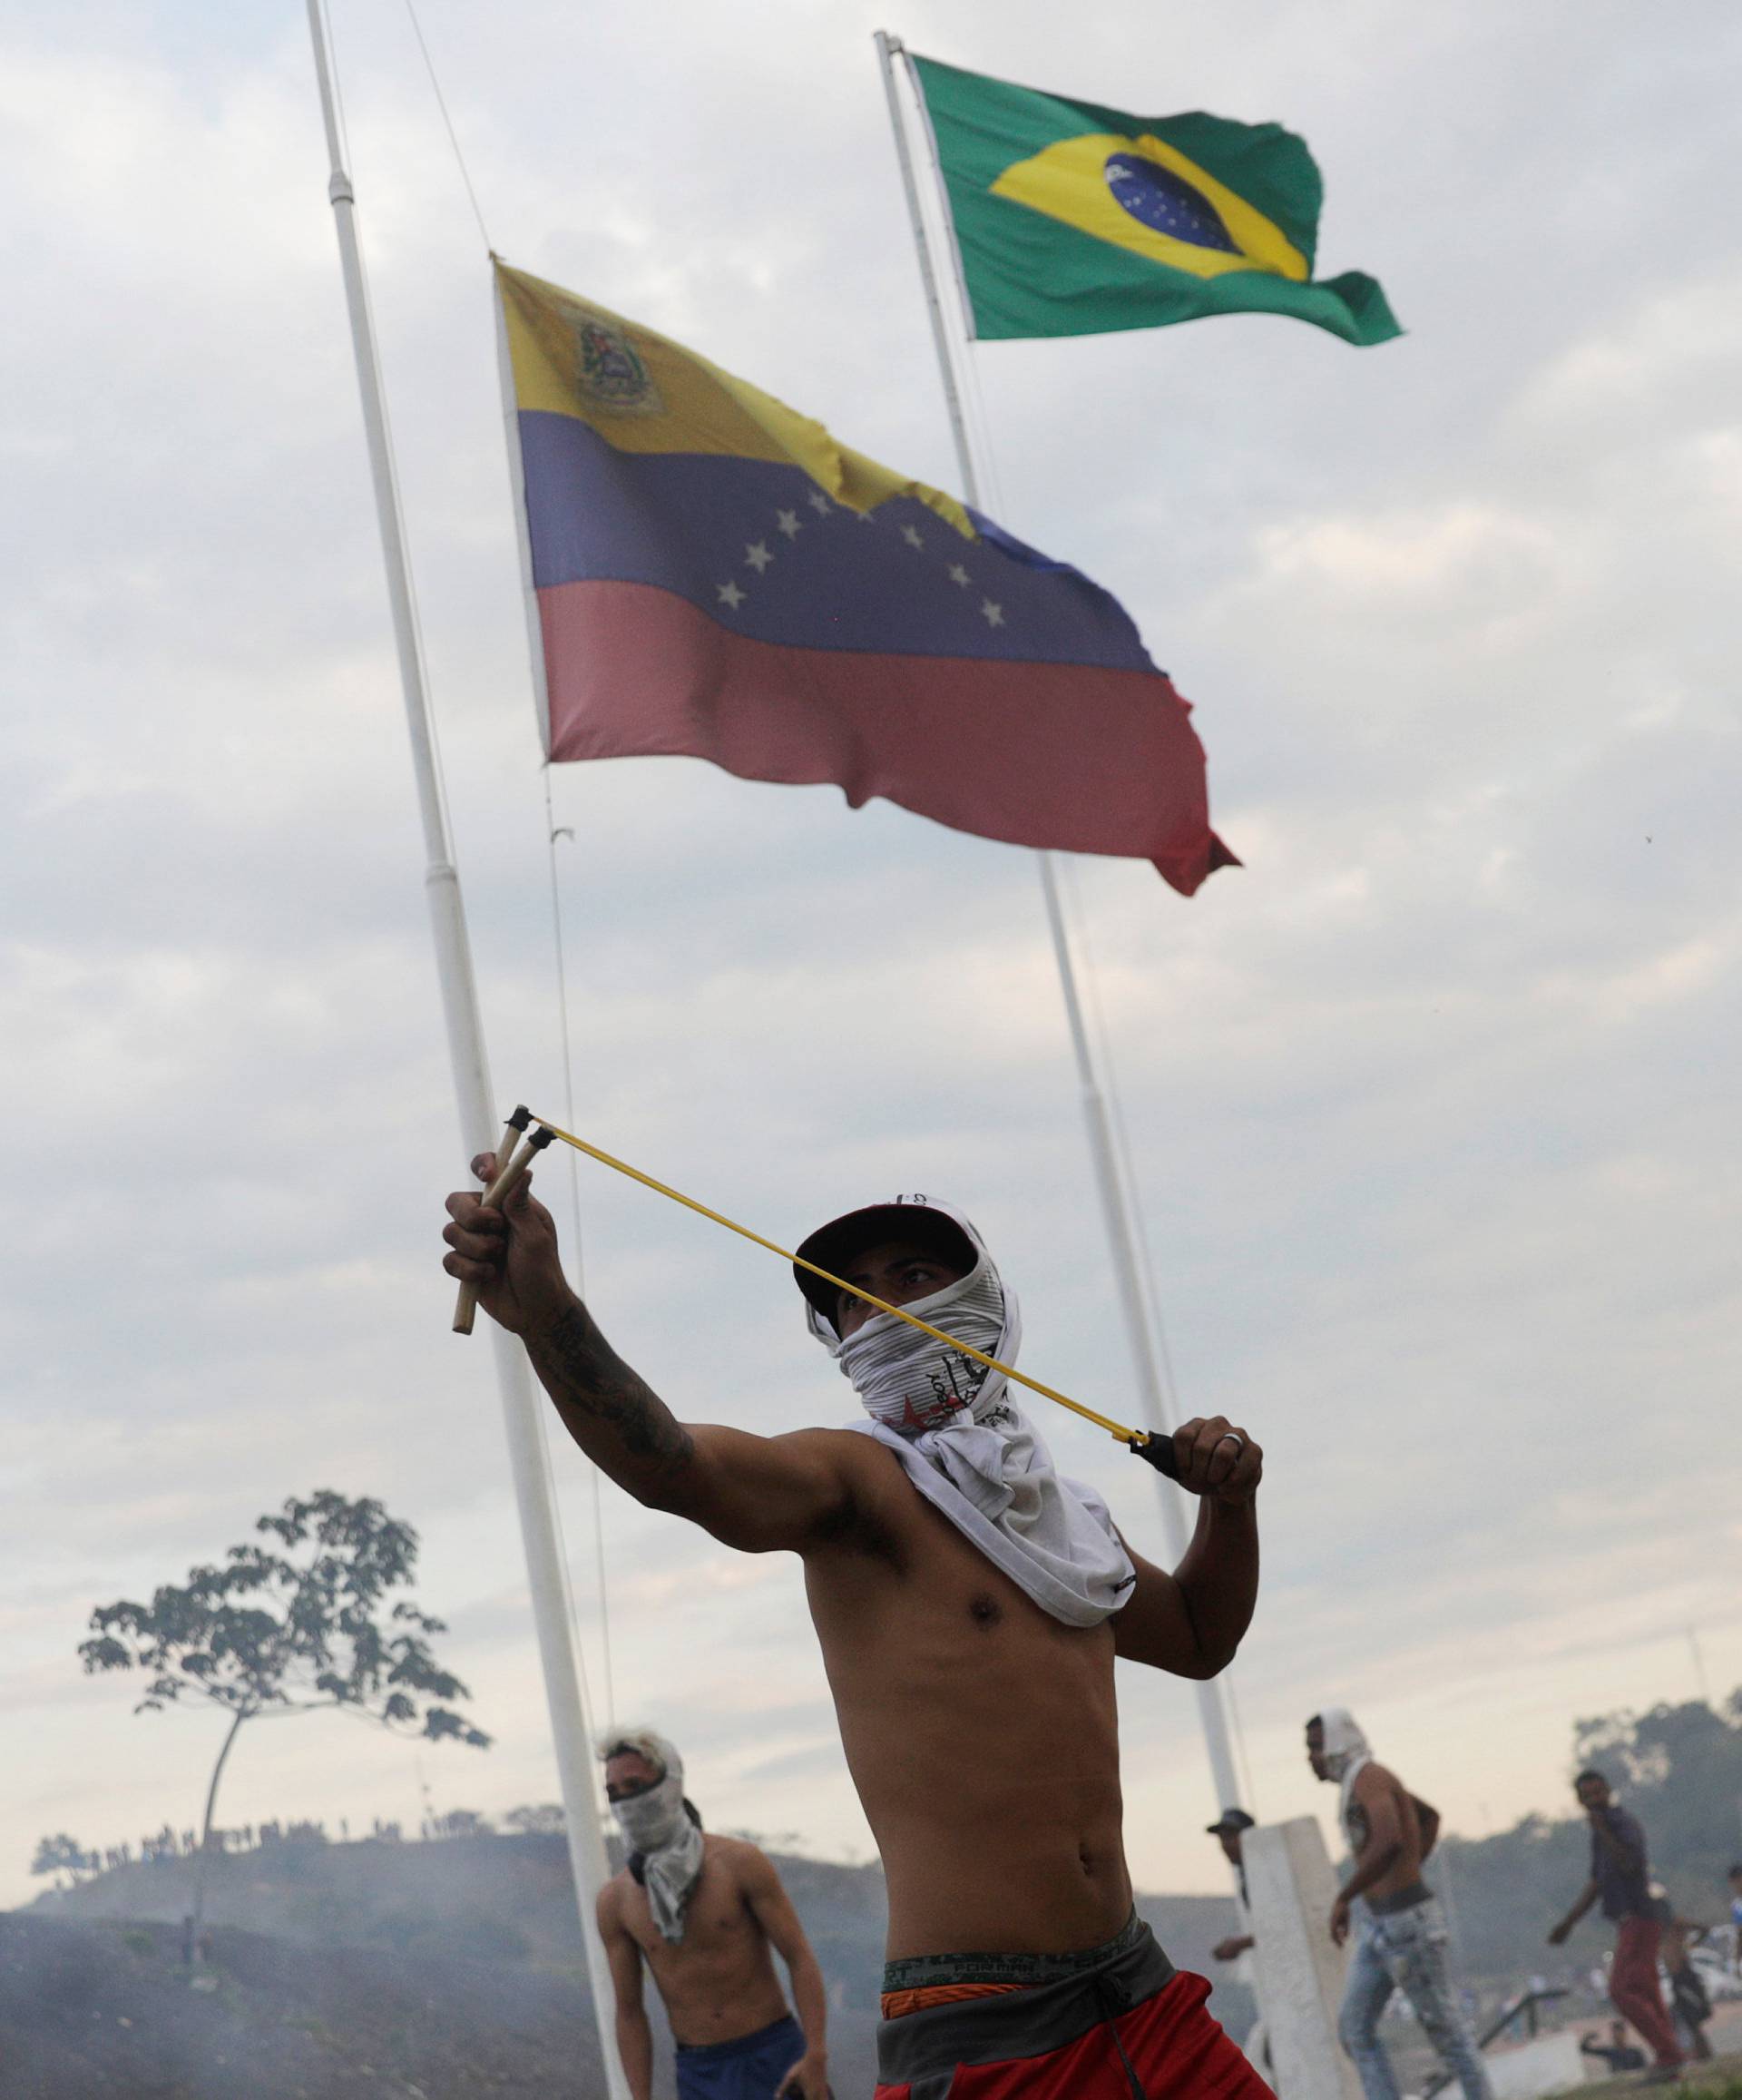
(1157, 1450)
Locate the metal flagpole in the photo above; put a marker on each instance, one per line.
(570, 1731)
(1114, 1202)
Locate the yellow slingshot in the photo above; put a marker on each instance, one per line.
(1157, 1451)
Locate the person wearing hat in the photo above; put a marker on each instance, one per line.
(1228, 1829)
(970, 1602)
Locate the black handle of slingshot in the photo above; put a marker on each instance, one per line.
(1159, 1452)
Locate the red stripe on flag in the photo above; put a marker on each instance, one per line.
(1071, 756)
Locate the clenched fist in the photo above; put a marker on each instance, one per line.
(1216, 1459)
(508, 1255)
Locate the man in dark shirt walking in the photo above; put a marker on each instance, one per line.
(1621, 1876)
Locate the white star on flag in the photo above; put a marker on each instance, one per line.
(958, 574)
(818, 502)
(787, 521)
(730, 595)
(912, 537)
(994, 613)
(758, 557)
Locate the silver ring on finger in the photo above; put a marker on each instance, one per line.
(1232, 1436)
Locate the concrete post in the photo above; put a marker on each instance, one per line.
(1289, 1891)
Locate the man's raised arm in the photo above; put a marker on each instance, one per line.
(759, 1494)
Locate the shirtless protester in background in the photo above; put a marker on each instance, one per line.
(969, 1603)
(1400, 1944)
(702, 1912)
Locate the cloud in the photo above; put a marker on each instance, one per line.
(1424, 1103)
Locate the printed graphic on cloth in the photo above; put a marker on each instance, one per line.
(971, 1452)
(1071, 219)
(715, 575)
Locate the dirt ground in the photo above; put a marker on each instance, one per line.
(1722, 2075)
(99, 2011)
(1724, 2032)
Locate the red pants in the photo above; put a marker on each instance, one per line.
(1633, 1986)
(1174, 2049)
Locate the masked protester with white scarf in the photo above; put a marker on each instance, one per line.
(970, 1603)
(662, 1831)
(1401, 1941)
(964, 1442)
(701, 1914)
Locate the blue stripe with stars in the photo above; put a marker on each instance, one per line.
(762, 550)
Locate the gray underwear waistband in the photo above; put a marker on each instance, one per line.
(1403, 1899)
(926, 1971)
(932, 2045)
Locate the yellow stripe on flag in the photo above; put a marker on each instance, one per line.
(1068, 181)
(643, 393)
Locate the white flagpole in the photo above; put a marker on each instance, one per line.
(1114, 1204)
(570, 1731)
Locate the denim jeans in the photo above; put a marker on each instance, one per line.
(1405, 1950)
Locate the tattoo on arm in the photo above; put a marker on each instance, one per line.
(585, 1376)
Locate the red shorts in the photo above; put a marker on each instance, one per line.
(1133, 2030)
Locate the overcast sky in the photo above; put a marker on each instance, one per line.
(1433, 1104)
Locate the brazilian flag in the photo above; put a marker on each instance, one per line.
(1071, 219)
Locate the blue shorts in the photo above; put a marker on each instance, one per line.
(746, 2069)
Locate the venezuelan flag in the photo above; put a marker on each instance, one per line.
(715, 575)
(1071, 219)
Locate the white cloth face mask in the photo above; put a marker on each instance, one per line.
(971, 1452)
(910, 1381)
(650, 1820)
(658, 1826)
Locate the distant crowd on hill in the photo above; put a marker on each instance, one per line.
(64, 1855)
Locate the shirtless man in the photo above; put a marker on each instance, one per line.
(702, 1913)
(1400, 1944)
(969, 1603)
